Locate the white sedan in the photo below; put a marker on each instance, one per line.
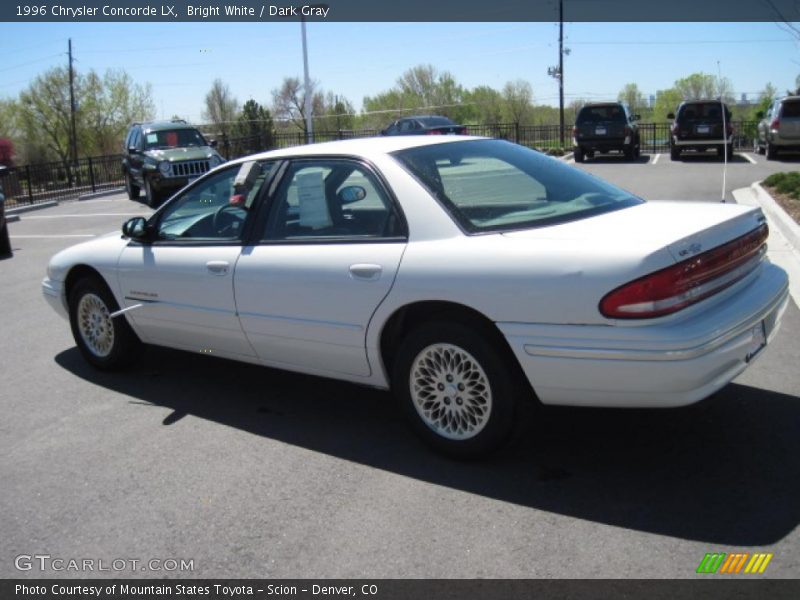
(465, 274)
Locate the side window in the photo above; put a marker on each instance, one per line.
(137, 139)
(406, 126)
(330, 199)
(215, 209)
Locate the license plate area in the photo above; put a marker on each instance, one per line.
(758, 341)
(703, 129)
(600, 131)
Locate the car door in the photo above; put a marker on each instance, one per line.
(326, 258)
(183, 276)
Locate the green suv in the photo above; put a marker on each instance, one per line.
(163, 156)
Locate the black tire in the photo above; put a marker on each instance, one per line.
(151, 196)
(456, 353)
(729, 150)
(132, 189)
(106, 344)
(630, 153)
(771, 152)
(5, 241)
(578, 155)
(760, 149)
(674, 153)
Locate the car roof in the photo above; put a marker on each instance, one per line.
(592, 104)
(161, 125)
(359, 147)
(708, 101)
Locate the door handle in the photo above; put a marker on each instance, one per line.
(366, 271)
(218, 267)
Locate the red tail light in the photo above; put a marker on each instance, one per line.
(775, 124)
(690, 281)
(464, 131)
(628, 130)
(434, 132)
(729, 129)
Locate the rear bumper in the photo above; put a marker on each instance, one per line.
(603, 144)
(700, 142)
(654, 365)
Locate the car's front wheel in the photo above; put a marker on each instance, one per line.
(131, 188)
(105, 343)
(150, 194)
(456, 389)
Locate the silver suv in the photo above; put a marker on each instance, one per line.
(779, 130)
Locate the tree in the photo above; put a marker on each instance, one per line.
(221, 107)
(700, 86)
(766, 97)
(518, 102)
(485, 105)
(338, 112)
(255, 124)
(631, 97)
(288, 102)
(44, 110)
(667, 101)
(421, 89)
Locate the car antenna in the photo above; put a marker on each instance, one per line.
(724, 133)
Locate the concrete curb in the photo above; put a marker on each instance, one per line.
(93, 195)
(785, 223)
(23, 209)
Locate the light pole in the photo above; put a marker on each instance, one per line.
(307, 99)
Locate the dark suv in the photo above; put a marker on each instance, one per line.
(605, 127)
(698, 126)
(163, 156)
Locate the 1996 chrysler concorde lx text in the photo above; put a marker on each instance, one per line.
(464, 273)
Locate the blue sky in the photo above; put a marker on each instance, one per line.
(358, 59)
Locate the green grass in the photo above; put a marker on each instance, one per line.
(785, 183)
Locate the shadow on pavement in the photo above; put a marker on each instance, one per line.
(615, 159)
(725, 471)
(708, 157)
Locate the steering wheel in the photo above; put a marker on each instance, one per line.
(228, 219)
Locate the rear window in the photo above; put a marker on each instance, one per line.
(703, 110)
(436, 122)
(791, 109)
(596, 114)
(494, 185)
(173, 138)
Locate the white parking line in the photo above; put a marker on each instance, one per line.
(750, 158)
(655, 159)
(570, 161)
(62, 235)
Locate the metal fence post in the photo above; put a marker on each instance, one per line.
(516, 132)
(91, 175)
(30, 184)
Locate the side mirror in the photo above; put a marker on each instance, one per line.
(136, 229)
(132, 150)
(212, 143)
(351, 193)
(760, 114)
(671, 116)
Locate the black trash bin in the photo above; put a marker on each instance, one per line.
(5, 243)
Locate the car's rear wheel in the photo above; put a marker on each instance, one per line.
(674, 153)
(578, 155)
(771, 152)
(105, 343)
(629, 153)
(455, 388)
(132, 189)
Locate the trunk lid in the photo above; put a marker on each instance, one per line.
(683, 228)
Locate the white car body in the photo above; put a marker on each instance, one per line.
(322, 309)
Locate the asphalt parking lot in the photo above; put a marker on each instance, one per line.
(250, 471)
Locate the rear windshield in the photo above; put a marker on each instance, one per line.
(596, 114)
(791, 109)
(494, 185)
(703, 110)
(436, 122)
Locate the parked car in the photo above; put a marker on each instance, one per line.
(161, 157)
(424, 125)
(699, 126)
(464, 287)
(605, 127)
(779, 130)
